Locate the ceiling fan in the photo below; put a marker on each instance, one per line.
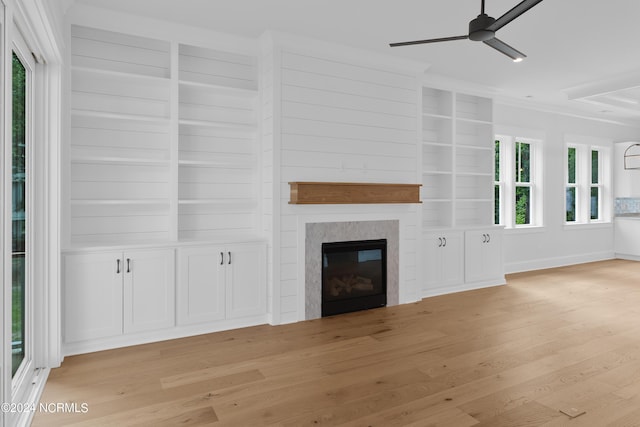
(484, 28)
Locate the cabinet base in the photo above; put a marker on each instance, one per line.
(463, 287)
(90, 346)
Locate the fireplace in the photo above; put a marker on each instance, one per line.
(354, 276)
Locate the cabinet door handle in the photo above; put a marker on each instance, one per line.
(488, 238)
(229, 253)
(118, 266)
(440, 240)
(484, 238)
(128, 265)
(445, 241)
(221, 258)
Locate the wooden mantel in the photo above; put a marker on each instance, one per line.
(352, 193)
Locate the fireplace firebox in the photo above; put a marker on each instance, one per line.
(354, 276)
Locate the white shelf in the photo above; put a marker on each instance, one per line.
(457, 162)
(474, 174)
(226, 90)
(437, 116)
(159, 153)
(475, 147)
(476, 121)
(120, 160)
(214, 164)
(219, 202)
(436, 200)
(221, 125)
(430, 172)
(123, 75)
(129, 202)
(436, 144)
(119, 116)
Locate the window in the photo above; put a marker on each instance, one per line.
(523, 183)
(516, 187)
(572, 187)
(19, 211)
(587, 183)
(596, 185)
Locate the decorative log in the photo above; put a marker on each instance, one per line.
(363, 286)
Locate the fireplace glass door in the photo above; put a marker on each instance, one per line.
(354, 276)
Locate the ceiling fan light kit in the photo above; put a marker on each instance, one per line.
(483, 29)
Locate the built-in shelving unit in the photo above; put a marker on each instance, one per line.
(120, 138)
(217, 143)
(163, 141)
(457, 159)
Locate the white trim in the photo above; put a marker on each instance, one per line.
(583, 177)
(587, 226)
(553, 262)
(126, 340)
(508, 181)
(33, 257)
(33, 19)
(627, 257)
(5, 240)
(109, 20)
(444, 290)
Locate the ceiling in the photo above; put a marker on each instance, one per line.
(582, 55)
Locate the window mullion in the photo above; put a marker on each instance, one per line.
(509, 177)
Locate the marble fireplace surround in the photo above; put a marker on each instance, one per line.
(324, 232)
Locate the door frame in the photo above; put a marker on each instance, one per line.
(40, 24)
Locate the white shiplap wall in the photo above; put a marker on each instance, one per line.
(269, 170)
(340, 120)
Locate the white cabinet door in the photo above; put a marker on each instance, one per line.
(201, 285)
(443, 259)
(92, 296)
(483, 255)
(627, 231)
(149, 290)
(452, 261)
(431, 261)
(245, 280)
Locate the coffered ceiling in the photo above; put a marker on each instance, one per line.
(582, 55)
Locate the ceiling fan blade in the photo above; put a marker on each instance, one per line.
(504, 48)
(517, 10)
(444, 39)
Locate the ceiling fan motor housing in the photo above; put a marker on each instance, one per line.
(478, 28)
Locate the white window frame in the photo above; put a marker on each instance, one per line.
(34, 22)
(507, 181)
(584, 183)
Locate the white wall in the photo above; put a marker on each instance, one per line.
(556, 244)
(343, 118)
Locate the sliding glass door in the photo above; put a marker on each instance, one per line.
(29, 190)
(21, 194)
(19, 206)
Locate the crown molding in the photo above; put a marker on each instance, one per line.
(109, 20)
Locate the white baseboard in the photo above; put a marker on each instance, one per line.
(543, 263)
(628, 257)
(160, 335)
(462, 287)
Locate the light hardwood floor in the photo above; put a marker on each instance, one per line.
(516, 355)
